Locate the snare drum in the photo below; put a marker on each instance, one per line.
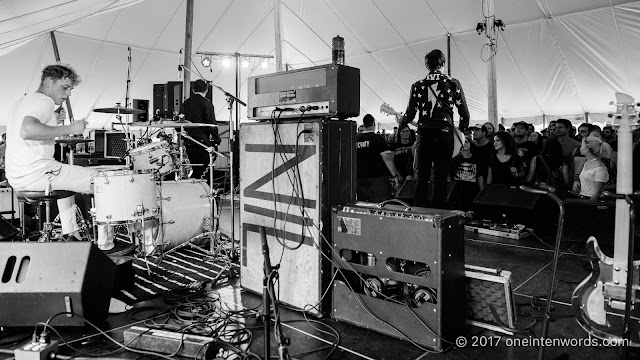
(124, 196)
(185, 212)
(154, 156)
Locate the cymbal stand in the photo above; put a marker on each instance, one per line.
(232, 128)
(212, 203)
(182, 174)
(127, 137)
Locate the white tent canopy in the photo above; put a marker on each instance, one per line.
(555, 58)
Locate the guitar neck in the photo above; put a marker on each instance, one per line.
(624, 185)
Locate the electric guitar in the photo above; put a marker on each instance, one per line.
(458, 139)
(600, 300)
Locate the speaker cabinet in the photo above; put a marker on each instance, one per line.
(507, 203)
(141, 105)
(167, 98)
(40, 280)
(288, 183)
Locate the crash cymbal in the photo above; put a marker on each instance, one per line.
(172, 124)
(119, 110)
(72, 140)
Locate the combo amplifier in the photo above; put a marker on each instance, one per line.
(400, 271)
(110, 143)
(323, 91)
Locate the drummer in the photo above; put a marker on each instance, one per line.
(30, 164)
(198, 109)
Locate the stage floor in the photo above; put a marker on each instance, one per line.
(529, 261)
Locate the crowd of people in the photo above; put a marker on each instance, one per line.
(578, 162)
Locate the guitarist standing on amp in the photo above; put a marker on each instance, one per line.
(433, 99)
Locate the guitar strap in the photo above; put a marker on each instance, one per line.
(450, 124)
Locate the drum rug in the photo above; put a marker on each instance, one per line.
(189, 266)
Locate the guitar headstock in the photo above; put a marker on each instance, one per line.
(625, 110)
(387, 109)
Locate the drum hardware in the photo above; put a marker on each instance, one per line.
(211, 150)
(72, 141)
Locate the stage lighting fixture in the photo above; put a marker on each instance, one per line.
(245, 63)
(264, 63)
(226, 62)
(206, 61)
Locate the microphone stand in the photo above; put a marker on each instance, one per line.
(232, 140)
(268, 299)
(127, 132)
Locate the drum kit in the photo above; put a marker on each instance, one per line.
(161, 216)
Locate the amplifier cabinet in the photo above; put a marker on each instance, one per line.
(331, 90)
(401, 271)
(289, 186)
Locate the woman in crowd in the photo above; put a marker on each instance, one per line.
(402, 152)
(538, 139)
(549, 167)
(468, 178)
(505, 167)
(608, 158)
(594, 173)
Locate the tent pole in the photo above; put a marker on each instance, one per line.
(188, 41)
(276, 21)
(56, 54)
(492, 36)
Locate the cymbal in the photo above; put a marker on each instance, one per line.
(172, 124)
(72, 140)
(119, 110)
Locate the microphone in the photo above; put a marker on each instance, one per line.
(180, 66)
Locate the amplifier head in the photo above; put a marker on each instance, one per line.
(329, 90)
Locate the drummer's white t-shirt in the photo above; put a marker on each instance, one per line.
(28, 160)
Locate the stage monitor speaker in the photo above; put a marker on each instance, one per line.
(506, 196)
(40, 280)
(143, 105)
(288, 183)
(507, 203)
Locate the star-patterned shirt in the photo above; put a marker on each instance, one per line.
(433, 99)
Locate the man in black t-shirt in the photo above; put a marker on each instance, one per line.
(526, 149)
(375, 164)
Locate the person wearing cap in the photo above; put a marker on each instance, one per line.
(525, 148)
(375, 164)
(432, 100)
(482, 149)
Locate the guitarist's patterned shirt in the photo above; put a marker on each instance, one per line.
(433, 99)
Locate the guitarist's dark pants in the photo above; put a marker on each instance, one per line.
(434, 145)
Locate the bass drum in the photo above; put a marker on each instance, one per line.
(185, 212)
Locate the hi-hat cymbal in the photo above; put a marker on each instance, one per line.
(72, 140)
(119, 110)
(172, 124)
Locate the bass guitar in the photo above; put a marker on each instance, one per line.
(601, 300)
(458, 138)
